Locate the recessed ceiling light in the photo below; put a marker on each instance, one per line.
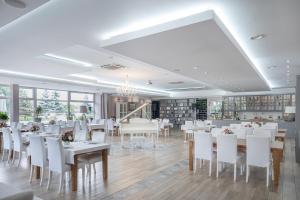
(15, 3)
(288, 66)
(195, 68)
(287, 61)
(258, 37)
(205, 73)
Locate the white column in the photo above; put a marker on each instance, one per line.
(14, 103)
(98, 106)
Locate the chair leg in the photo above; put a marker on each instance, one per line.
(241, 169)
(3, 154)
(90, 172)
(8, 156)
(247, 173)
(14, 157)
(31, 173)
(195, 165)
(94, 168)
(20, 156)
(61, 182)
(42, 175)
(83, 175)
(200, 163)
(268, 174)
(234, 176)
(217, 175)
(49, 180)
(210, 163)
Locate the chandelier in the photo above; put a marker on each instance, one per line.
(125, 89)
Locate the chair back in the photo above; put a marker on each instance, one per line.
(240, 133)
(17, 138)
(208, 122)
(13, 125)
(216, 131)
(245, 124)
(20, 125)
(258, 151)
(56, 155)
(264, 132)
(41, 127)
(110, 124)
(37, 151)
(203, 145)
(7, 138)
(227, 148)
(56, 129)
(98, 137)
(235, 126)
(199, 123)
(189, 125)
(70, 123)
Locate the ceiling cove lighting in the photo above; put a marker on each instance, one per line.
(139, 89)
(69, 60)
(219, 15)
(36, 76)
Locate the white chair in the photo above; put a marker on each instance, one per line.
(80, 134)
(91, 159)
(189, 130)
(264, 132)
(38, 155)
(199, 123)
(164, 126)
(54, 129)
(227, 151)
(19, 147)
(240, 133)
(57, 162)
(203, 149)
(216, 131)
(13, 125)
(208, 122)
(70, 123)
(7, 144)
(41, 127)
(258, 154)
(235, 126)
(245, 123)
(110, 126)
(20, 126)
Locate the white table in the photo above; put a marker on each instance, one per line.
(75, 149)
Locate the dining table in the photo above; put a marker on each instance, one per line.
(277, 149)
(74, 150)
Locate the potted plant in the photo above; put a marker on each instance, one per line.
(38, 112)
(3, 119)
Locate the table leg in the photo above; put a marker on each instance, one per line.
(191, 155)
(38, 172)
(74, 171)
(105, 164)
(277, 157)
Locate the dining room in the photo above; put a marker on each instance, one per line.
(137, 99)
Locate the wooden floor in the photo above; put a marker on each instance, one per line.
(162, 173)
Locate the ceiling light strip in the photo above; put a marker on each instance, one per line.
(70, 60)
(36, 76)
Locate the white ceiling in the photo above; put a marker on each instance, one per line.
(75, 27)
(202, 45)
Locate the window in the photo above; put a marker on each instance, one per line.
(4, 99)
(55, 104)
(26, 104)
(81, 105)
